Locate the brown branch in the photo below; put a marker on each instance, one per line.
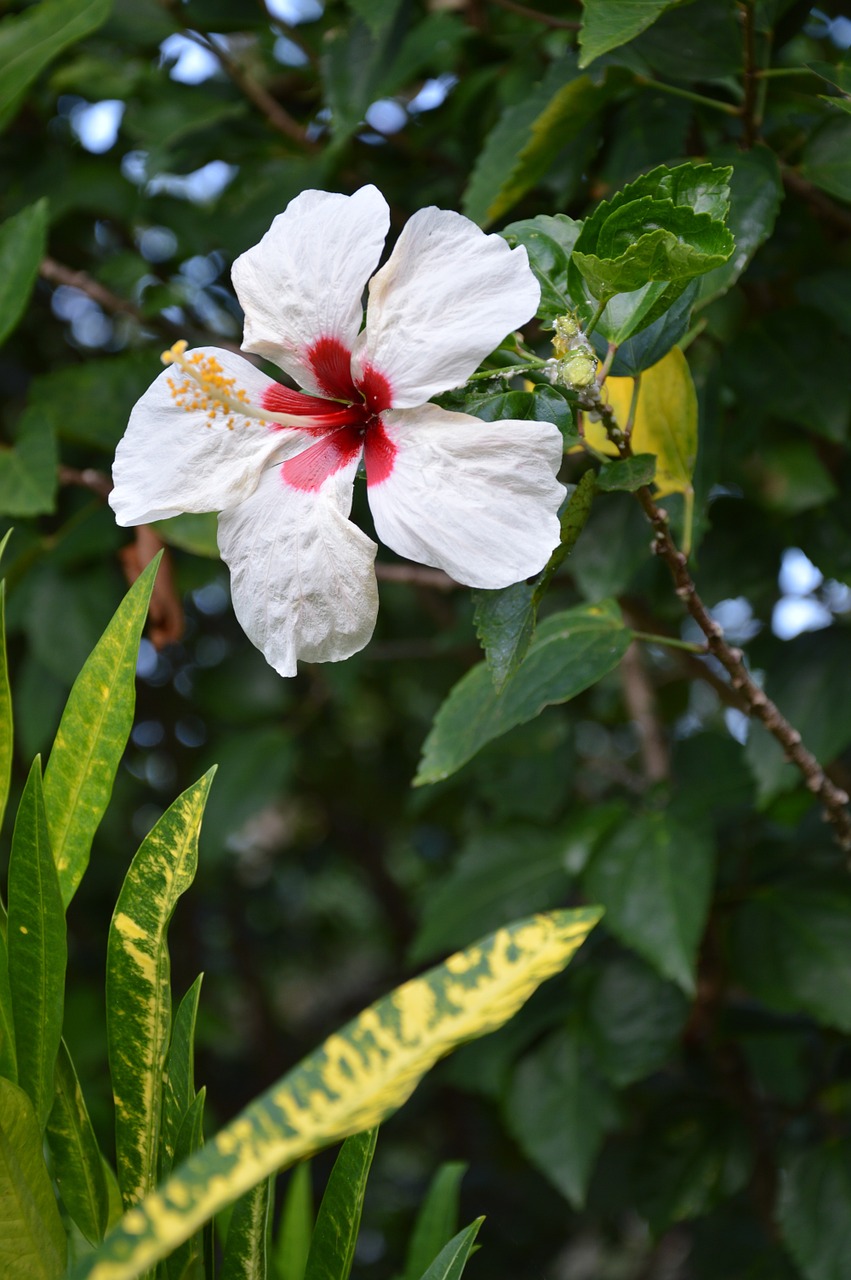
(561, 24)
(165, 613)
(416, 575)
(638, 695)
(97, 481)
(756, 703)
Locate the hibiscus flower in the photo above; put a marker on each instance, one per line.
(213, 433)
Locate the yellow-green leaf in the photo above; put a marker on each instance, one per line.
(296, 1226)
(77, 1162)
(138, 991)
(179, 1076)
(355, 1079)
(244, 1255)
(6, 724)
(8, 1056)
(32, 1239)
(92, 736)
(332, 1249)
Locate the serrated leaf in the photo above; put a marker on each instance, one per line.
(31, 40)
(22, 245)
(92, 735)
(570, 652)
(77, 1162)
(296, 1227)
(558, 1110)
(756, 191)
(38, 949)
(520, 148)
(32, 1242)
(788, 951)
(138, 993)
(244, 1255)
(335, 1235)
(654, 877)
(28, 468)
(178, 1076)
(437, 1219)
(628, 474)
(355, 1079)
(814, 1211)
(452, 1259)
(607, 24)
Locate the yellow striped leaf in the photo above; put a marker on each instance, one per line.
(245, 1250)
(77, 1162)
(138, 991)
(92, 736)
(355, 1079)
(32, 1238)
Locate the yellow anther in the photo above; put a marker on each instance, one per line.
(204, 388)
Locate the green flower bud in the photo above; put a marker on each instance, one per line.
(567, 331)
(578, 369)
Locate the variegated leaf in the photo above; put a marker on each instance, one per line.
(245, 1249)
(77, 1162)
(32, 1239)
(355, 1079)
(138, 992)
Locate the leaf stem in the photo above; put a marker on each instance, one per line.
(530, 366)
(601, 307)
(671, 642)
(700, 99)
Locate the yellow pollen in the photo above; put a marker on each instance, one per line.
(204, 387)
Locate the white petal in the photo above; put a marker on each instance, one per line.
(306, 277)
(172, 459)
(446, 297)
(477, 499)
(302, 580)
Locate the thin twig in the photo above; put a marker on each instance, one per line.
(96, 481)
(757, 703)
(561, 24)
(638, 694)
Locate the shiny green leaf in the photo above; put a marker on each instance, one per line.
(92, 736)
(77, 1162)
(335, 1235)
(814, 1212)
(37, 948)
(570, 652)
(244, 1256)
(437, 1219)
(549, 242)
(292, 1244)
(178, 1076)
(138, 993)
(756, 192)
(28, 475)
(355, 1079)
(22, 246)
(629, 474)
(32, 1241)
(31, 40)
(452, 1259)
(607, 24)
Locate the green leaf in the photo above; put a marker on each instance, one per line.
(505, 619)
(293, 1241)
(32, 1242)
(629, 474)
(6, 716)
(634, 1019)
(138, 994)
(835, 73)
(28, 474)
(90, 403)
(377, 14)
(607, 24)
(8, 1055)
(355, 1079)
(787, 949)
(497, 874)
(194, 532)
(31, 40)
(814, 1211)
(437, 1219)
(188, 1258)
(641, 348)
(22, 244)
(521, 147)
(665, 228)
(178, 1076)
(38, 950)
(826, 161)
(654, 877)
(452, 1259)
(335, 1235)
(559, 1109)
(77, 1162)
(92, 736)
(244, 1255)
(549, 242)
(570, 652)
(756, 191)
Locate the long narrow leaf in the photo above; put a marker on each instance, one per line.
(77, 1162)
(292, 1245)
(245, 1249)
(437, 1220)
(32, 1239)
(6, 723)
(452, 1259)
(8, 1055)
(335, 1235)
(179, 1075)
(38, 949)
(92, 735)
(355, 1079)
(138, 992)
(187, 1261)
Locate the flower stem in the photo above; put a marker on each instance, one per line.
(700, 99)
(530, 366)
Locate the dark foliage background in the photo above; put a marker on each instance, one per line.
(676, 1105)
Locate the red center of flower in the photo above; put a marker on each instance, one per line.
(348, 422)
